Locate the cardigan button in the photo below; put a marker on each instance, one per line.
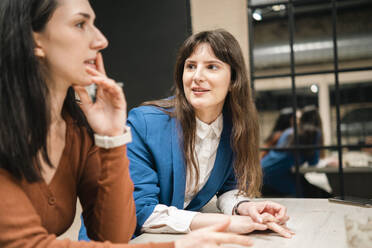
(52, 200)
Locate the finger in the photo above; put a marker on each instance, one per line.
(260, 227)
(282, 215)
(220, 227)
(108, 85)
(279, 229)
(268, 218)
(279, 211)
(286, 228)
(100, 64)
(83, 94)
(283, 220)
(230, 238)
(94, 72)
(254, 214)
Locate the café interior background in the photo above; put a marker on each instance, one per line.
(144, 37)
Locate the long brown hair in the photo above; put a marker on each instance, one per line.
(239, 103)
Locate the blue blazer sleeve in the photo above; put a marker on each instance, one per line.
(142, 172)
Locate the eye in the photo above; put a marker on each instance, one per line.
(190, 66)
(213, 67)
(81, 24)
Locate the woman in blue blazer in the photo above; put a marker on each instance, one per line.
(200, 143)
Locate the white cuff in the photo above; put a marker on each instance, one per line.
(228, 200)
(166, 219)
(115, 141)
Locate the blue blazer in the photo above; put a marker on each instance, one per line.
(157, 164)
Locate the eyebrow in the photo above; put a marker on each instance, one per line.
(206, 62)
(85, 15)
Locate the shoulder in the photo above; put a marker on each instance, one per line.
(150, 110)
(155, 115)
(286, 134)
(9, 184)
(149, 122)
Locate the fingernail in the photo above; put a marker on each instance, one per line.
(260, 219)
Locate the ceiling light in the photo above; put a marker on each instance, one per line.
(257, 15)
(278, 7)
(314, 88)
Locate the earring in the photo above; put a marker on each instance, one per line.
(39, 53)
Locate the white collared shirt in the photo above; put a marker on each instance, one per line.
(165, 219)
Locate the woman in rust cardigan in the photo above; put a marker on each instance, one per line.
(54, 148)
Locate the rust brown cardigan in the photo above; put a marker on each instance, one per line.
(32, 214)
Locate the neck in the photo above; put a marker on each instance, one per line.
(57, 94)
(207, 115)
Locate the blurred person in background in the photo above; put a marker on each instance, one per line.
(279, 179)
(284, 121)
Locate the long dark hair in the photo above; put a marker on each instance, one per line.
(284, 121)
(24, 97)
(239, 104)
(309, 130)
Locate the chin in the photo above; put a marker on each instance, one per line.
(198, 105)
(84, 81)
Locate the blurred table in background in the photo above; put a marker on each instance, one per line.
(357, 180)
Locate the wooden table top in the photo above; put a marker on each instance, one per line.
(316, 222)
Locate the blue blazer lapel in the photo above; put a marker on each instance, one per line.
(219, 171)
(179, 169)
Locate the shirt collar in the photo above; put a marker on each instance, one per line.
(203, 129)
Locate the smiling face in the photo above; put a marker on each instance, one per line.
(69, 43)
(206, 81)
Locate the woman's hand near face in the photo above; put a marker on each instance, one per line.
(212, 236)
(107, 115)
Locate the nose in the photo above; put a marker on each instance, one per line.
(198, 76)
(100, 42)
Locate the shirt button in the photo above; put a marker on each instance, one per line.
(52, 200)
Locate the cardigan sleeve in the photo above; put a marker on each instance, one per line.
(108, 205)
(20, 224)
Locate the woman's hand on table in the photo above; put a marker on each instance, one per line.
(212, 236)
(107, 115)
(240, 224)
(259, 210)
(270, 214)
(244, 224)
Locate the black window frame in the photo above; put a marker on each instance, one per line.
(293, 74)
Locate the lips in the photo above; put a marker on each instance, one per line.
(199, 89)
(91, 63)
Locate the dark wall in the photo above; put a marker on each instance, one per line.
(143, 40)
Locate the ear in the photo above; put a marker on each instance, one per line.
(38, 50)
(230, 86)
